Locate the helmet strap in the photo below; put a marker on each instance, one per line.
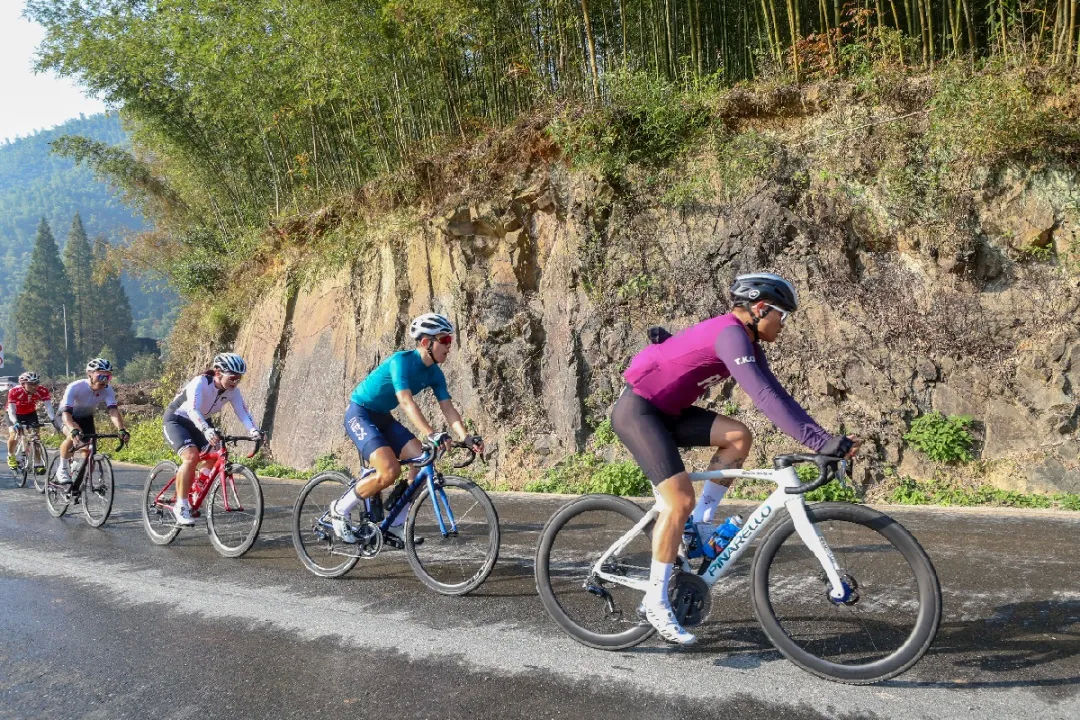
(754, 319)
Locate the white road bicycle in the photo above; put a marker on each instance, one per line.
(842, 590)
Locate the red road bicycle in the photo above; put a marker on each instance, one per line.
(234, 513)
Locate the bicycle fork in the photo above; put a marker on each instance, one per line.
(839, 591)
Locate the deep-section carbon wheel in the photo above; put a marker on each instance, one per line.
(159, 495)
(889, 615)
(234, 511)
(595, 612)
(56, 495)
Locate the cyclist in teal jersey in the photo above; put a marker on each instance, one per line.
(380, 438)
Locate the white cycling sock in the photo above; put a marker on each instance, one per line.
(659, 575)
(183, 503)
(347, 502)
(706, 505)
(65, 463)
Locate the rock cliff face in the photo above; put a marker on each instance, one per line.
(552, 285)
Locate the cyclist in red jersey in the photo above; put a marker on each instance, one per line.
(22, 402)
(655, 415)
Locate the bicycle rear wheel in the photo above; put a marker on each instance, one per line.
(39, 458)
(56, 495)
(318, 548)
(595, 612)
(235, 512)
(158, 520)
(884, 626)
(97, 491)
(452, 562)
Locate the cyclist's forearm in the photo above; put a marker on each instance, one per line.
(50, 411)
(453, 419)
(11, 412)
(416, 417)
(67, 420)
(117, 421)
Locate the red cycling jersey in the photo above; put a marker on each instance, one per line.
(25, 402)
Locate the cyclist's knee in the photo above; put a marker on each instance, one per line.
(388, 473)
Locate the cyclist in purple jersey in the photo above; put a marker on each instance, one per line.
(655, 415)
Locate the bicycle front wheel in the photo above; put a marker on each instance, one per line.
(19, 472)
(159, 495)
(235, 513)
(97, 492)
(595, 612)
(890, 617)
(39, 458)
(318, 548)
(56, 495)
(457, 554)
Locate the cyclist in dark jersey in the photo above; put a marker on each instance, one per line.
(380, 438)
(655, 416)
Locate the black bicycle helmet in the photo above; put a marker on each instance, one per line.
(773, 289)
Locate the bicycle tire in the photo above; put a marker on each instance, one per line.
(249, 523)
(99, 487)
(913, 643)
(19, 474)
(56, 500)
(450, 559)
(43, 453)
(631, 632)
(161, 529)
(316, 551)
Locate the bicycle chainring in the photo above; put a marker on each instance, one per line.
(690, 600)
(369, 539)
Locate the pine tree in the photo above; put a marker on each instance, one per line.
(79, 263)
(112, 310)
(40, 307)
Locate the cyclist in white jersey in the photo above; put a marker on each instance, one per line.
(190, 433)
(81, 399)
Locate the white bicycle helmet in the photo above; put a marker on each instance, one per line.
(29, 377)
(230, 363)
(99, 364)
(429, 324)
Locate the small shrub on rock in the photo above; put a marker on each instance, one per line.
(944, 438)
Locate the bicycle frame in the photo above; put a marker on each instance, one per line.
(200, 489)
(761, 517)
(429, 476)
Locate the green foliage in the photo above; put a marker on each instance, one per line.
(942, 438)
(39, 308)
(620, 478)
(588, 473)
(147, 446)
(939, 491)
(603, 435)
(830, 492)
(36, 183)
(144, 366)
(999, 113)
(648, 120)
(79, 264)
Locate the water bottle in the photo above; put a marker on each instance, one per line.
(722, 535)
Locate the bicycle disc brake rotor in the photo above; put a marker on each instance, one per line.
(689, 598)
(369, 539)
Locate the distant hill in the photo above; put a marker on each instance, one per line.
(36, 183)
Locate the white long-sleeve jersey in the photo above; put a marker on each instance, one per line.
(201, 397)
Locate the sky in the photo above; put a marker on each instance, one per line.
(30, 102)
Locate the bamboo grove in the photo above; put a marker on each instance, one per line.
(248, 109)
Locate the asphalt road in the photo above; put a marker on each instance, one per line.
(103, 624)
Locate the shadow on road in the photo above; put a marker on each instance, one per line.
(1003, 650)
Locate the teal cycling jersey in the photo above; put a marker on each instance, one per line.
(403, 370)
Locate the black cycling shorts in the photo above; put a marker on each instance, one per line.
(654, 437)
(181, 432)
(85, 423)
(27, 419)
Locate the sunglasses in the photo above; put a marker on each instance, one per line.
(101, 378)
(231, 376)
(444, 339)
(783, 313)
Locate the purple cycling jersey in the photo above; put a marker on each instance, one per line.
(675, 373)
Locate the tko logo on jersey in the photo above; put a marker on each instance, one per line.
(745, 359)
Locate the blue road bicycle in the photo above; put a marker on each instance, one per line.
(450, 536)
